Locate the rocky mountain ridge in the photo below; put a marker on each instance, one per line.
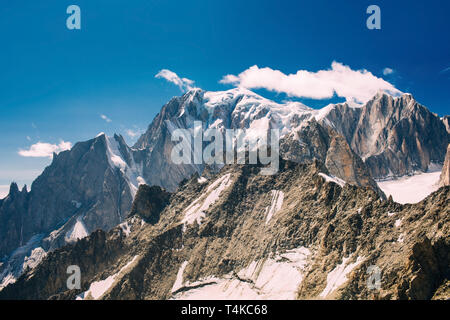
(239, 234)
(92, 185)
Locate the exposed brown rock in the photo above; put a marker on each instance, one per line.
(409, 243)
(444, 179)
(149, 203)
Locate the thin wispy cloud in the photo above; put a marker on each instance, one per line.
(354, 85)
(183, 83)
(44, 149)
(445, 70)
(388, 71)
(133, 133)
(104, 117)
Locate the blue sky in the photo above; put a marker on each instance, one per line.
(56, 83)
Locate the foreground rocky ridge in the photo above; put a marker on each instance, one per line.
(297, 234)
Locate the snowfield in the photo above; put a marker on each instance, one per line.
(276, 278)
(133, 173)
(411, 189)
(77, 232)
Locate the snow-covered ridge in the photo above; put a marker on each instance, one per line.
(243, 108)
(28, 255)
(332, 179)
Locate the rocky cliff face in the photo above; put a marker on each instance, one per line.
(317, 142)
(13, 211)
(444, 179)
(84, 189)
(394, 136)
(297, 234)
(446, 121)
(149, 203)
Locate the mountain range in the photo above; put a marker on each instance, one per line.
(325, 196)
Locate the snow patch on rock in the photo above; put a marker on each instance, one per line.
(338, 276)
(77, 232)
(132, 172)
(28, 255)
(332, 179)
(196, 210)
(275, 204)
(277, 277)
(98, 288)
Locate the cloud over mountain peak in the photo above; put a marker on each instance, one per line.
(353, 85)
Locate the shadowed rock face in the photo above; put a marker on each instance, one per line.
(444, 179)
(78, 183)
(149, 202)
(240, 244)
(13, 211)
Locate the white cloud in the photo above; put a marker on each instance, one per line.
(182, 83)
(43, 149)
(354, 85)
(105, 118)
(133, 133)
(387, 71)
